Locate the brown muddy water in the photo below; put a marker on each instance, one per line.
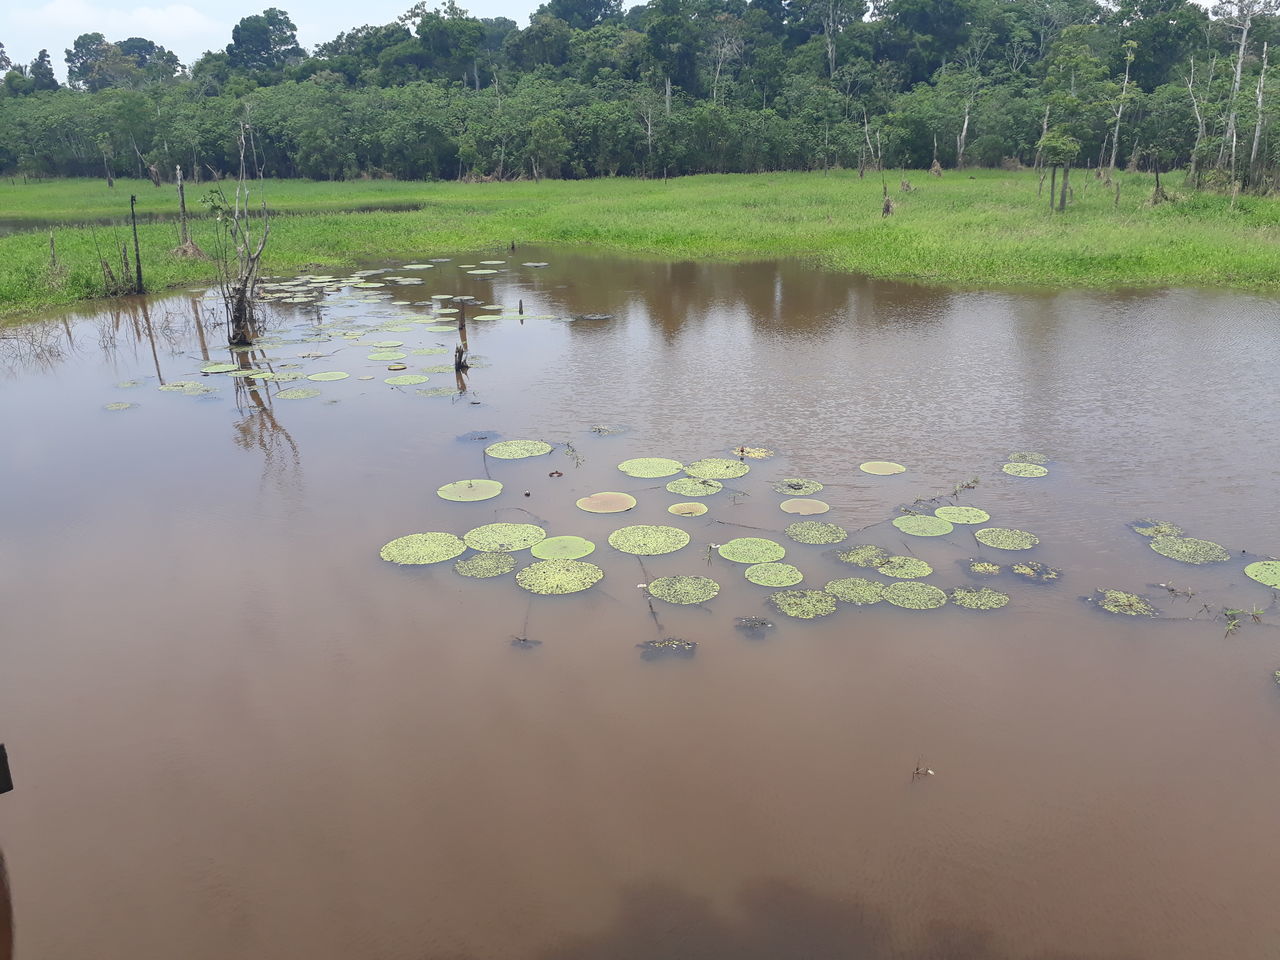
(236, 732)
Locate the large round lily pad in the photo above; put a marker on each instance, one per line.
(752, 550)
(503, 537)
(915, 596)
(904, 568)
(683, 590)
(1024, 470)
(463, 491)
(773, 574)
(609, 501)
(687, 509)
(328, 375)
(485, 565)
(406, 380)
(920, 525)
(219, 367)
(717, 468)
(1038, 458)
(1266, 572)
(962, 514)
(692, 487)
(385, 356)
(298, 393)
(517, 449)
(865, 555)
(816, 532)
(804, 506)
(1190, 550)
(555, 577)
(856, 590)
(982, 598)
(797, 487)
(562, 548)
(1003, 538)
(648, 540)
(419, 548)
(804, 604)
(881, 468)
(650, 468)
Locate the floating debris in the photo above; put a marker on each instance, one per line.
(804, 506)
(650, 468)
(804, 604)
(904, 568)
(648, 540)
(911, 595)
(667, 647)
(687, 509)
(865, 555)
(503, 537)
(557, 577)
(881, 468)
(610, 501)
(752, 550)
(1128, 604)
(562, 548)
(753, 625)
(983, 568)
(1030, 570)
(1003, 538)
(816, 532)
(1266, 572)
(692, 487)
(797, 487)
(1024, 470)
(773, 574)
(921, 525)
(1190, 550)
(717, 468)
(463, 491)
(983, 598)
(856, 590)
(962, 514)
(420, 548)
(485, 565)
(753, 453)
(683, 589)
(517, 449)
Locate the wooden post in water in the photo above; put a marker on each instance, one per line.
(137, 252)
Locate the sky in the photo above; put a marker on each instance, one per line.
(189, 29)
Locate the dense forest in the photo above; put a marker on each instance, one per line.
(673, 87)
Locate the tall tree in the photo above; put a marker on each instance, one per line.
(41, 72)
(264, 41)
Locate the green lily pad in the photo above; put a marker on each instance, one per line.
(119, 405)
(1266, 572)
(684, 590)
(517, 449)
(429, 351)
(298, 393)
(465, 491)
(128, 384)
(865, 556)
(816, 532)
(773, 574)
(329, 375)
(687, 509)
(1126, 604)
(984, 569)
(881, 468)
(1038, 458)
(610, 501)
(387, 344)
(485, 565)
(753, 453)
(804, 506)
(556, 577)
(419, 548)
(797, 487)
(406, 380)
(283, 376)
(650, 468)
(919, 525)
(1147, 527)
(717, 468)
(983, 598)
(503, 537)
(1003, 538)
(219, 367)
(915, 596)
(1190, 550)
(804, 604)
(962, 514)
(481, 273)
(178, 386)
(1024, 470)
(248, 372)
(904, 568)
(692, 487)
(856, 590)
(384, 356)
(752, 550)
(562, 548)
(648, 540)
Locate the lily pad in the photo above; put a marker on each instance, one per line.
(1126, 604)
(1266, 572)
(384, 356)
(753, 453)
(1038, 458)
(856, 590)
(920, 525)
(752, 550)
(328, 375)
(1147, 527)
(1003, 538)
(609, 501)
(556, 577)
(904, 568)
(984, 569)
(797, 487)
(178, 386)
(962, 514)
(650, 468)
(915, 596)
(816, 532)
(429, 351)
(119, 405)
(503, 537)
(804, 506)
(717, 468)
(1024, 470)
(465, 491)
(773, 574)
(881, 468)
(517, 449)
(648, 540)
(387, 344)
(865, 556)
(485, 565)
(1190, 550)
(562, 548)
(219, 367)
(687, 509)
(804, 604)
(419, 548)
(406, 380)
(298, 393)
(693, 487)
(684, 590)
(983, 598)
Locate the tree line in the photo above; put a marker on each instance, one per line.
(673, 87)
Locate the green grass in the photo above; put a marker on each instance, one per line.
(984, 229)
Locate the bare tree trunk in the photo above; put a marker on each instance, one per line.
(1044, 130)
(1194, 173)
(1230, 134)
(962, 139)
(1062, 200)
(1053, 185)
(1115, 134)
(1257, 127)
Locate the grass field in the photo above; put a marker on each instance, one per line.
(988, 228)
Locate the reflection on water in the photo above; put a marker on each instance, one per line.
(299, 750)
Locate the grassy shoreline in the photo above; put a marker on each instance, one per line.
(987, 228)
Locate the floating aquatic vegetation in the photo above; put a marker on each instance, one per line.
(406, 380)
(904, 568)
(488, 316)
(920, 525)
(962, 514)
(865, 555)
(804, 506)
(856, 590)
(283, 376)
(562, 548)
(128, 384)
(1024, 470)
(481, 273)
(804, 604)
(752, 550)
(417, 548)
(816, 532)
(915, 596)
(667, 647)
(610, 501)
(533, 263)
(983, 598)
(382, 356)
(650, 468)
(517, 449)
(1266, 572)
(693, 487)
(797, 487)
(648, 540)
(1128, 604)
(773, 574)
(1146, 527)
(1030, 570)
(752, 625)
(687, 509)
(329, 375)
(753, 453)
(417, 266)
(387, 344)
(485, 565)
(219, 367)
(556, 577)
(1190, 550)
(717, 468)
(390, 366)
(497, 537)
(448, 368)
(491, 263)
(466, 491)
(437, 392)
(683, 590)
(298, 393)
(178, 386)
(1037, 458)
(984, 569)
(429, 351)
(1003, 538)
(881, 468)
(118, 405)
